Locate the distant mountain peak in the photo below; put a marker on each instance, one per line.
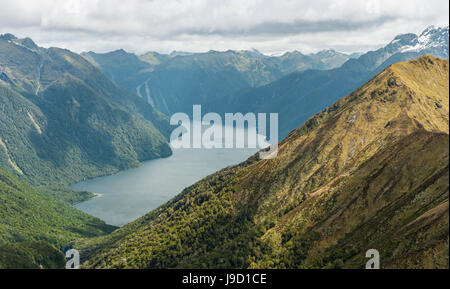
(25, 42)
(256, 51)
(404, 37)
(293, 53)
(327, 53)
(431, 37)
(434, 36)
(179, 53)
(253, 52)
(432, 29)
(119, 52)
(330, 50)
(7, 37)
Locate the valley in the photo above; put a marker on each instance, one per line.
(86, 160)
(132, 193)
(294, 85)
(370, 171)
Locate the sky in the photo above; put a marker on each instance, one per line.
(272, 27)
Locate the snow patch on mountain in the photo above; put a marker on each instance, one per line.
(430, 38)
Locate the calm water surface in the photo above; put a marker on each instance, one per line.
(130, 194)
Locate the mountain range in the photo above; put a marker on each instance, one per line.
(63, 120)
(172, 83)
(310, 91)
(248, 81)
(370, 171)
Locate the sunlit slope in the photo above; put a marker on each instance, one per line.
(371, 171)
(339, 139)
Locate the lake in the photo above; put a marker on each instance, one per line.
(132, 193)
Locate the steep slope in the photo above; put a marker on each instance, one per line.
(371, 171)
(62, 120)
(35, 228)
(331, 58)
(311, 91)
(124, 68)
(174, 82)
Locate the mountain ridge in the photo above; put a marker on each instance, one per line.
(310, 91)
(370, 171)
(152, 75)
(64, 121)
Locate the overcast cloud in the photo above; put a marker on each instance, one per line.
(201, 25)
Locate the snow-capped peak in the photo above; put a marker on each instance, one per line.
(431, 37)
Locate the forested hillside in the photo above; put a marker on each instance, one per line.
(63, 121)
(35, 228)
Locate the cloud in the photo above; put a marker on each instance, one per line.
(200, 25)
(296, 27)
